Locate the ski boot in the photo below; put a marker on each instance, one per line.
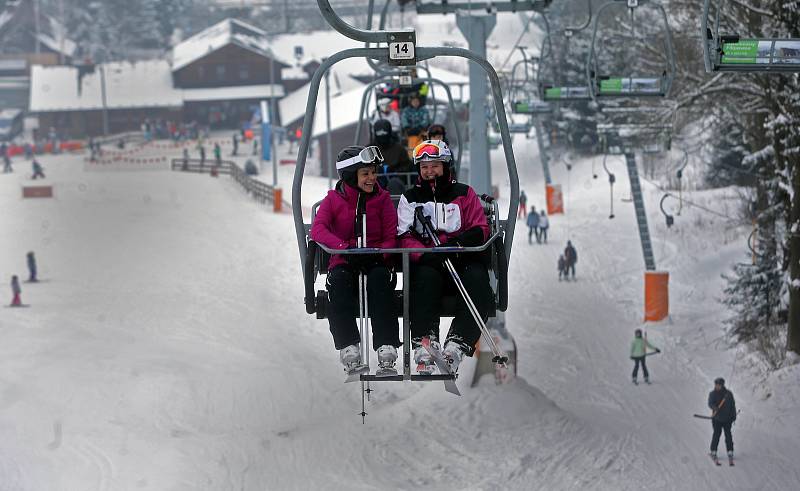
(714, 457)
(730, 458)
(635, 382)
(423, 359)
(453, 354)
(351, 359)
(647, 380)
(387, 356)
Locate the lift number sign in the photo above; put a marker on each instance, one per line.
(401, 51)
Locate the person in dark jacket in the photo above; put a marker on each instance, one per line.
(457, 216)
(415, 118)
(437, 131)
(235, 143)
(562, 266)
(571, 256)
(31, 259)
(335, 224)
(723, 414)
(15, 291)
(38, 170)
(533, 225)
(395, 158)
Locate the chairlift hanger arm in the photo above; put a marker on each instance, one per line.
(359, 34)
(446, 7)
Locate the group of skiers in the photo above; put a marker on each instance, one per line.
(455, 213)
(720, 400)
(16, 290)
(38, 170)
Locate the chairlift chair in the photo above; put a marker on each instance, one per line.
(733, 53)
(628, 85)
(498, 246)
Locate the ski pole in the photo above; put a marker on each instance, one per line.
(499, 356)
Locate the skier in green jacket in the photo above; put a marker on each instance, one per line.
(639, 347)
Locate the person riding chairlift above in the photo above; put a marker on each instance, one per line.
(395, 158)
(338, 225)
(457, 216)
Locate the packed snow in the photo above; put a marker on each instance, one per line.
(168, 348)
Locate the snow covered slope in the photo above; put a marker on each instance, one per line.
(169, 350)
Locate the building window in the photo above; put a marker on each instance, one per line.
(220, 72)
(244, 72)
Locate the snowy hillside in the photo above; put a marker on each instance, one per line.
(169, 349)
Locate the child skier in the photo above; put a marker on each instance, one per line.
(639, 347)
(16, 291)
(38, 170)
(358, 193)
(562, 267)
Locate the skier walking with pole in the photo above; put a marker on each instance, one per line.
(723, 415)
(639, 347)
(357, 194)
(427, 218)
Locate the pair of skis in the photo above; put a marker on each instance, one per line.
(716, 460)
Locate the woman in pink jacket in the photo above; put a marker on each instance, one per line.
(337, 226)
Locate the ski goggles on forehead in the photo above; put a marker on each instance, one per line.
(368, 155)
(431, 151)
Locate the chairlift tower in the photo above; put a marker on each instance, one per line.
(476, 20)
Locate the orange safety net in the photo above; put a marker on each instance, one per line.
(555, 200)
(656, 295)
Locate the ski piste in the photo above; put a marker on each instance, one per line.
(442, 365)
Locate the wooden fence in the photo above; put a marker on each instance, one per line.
(259, 190)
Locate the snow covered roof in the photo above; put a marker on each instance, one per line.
(128, 85)
(229, 31)
(294, 73)
(263, 91)
(55, 44)
(344, 111)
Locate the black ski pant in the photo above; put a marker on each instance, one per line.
(718, 428)
(342, 285)
(429, 283)
(636, 361)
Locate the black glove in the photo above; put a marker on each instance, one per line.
(431, 259)
(363, 262)
(450, 243)
(658, 350)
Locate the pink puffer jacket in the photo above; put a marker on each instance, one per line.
(334, 225)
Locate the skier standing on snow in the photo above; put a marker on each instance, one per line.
(235, 143)
(15, 291)
(562, 267)
(723, 414)
(31, 267)
(217, 153)
(38, 170)
(356, 193)
(523, 205)
(571, 257)
(639, 347)
(544, 224)
(533, 225)
(185, 164)
(457, 215)
(202, 150)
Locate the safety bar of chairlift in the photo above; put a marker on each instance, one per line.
(443, 7)
(451, 103)
(412, 250)
(666, 79)
(381, 54)
(713, 61)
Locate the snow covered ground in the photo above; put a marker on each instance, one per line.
(168, 349)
